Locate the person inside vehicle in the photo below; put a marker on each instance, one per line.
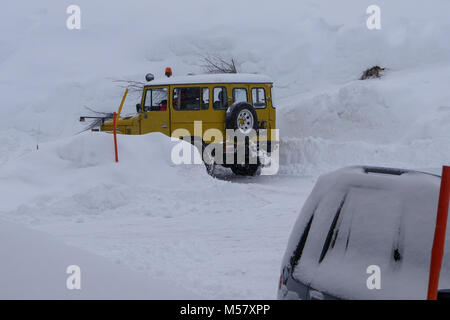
(192, 98)
(221, 102)
(163, 105)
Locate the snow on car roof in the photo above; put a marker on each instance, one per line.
(213, 78)
(382, 216)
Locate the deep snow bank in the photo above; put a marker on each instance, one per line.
(33, 266)
(401, 120)
(82, 168)
(220, 239)
(74, 179)
(314, 51)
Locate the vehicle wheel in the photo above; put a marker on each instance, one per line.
(209, 161)
(245, 169)
(242, 116)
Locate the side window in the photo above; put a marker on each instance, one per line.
(295, 258)
(220, 98)
(205, 98)
(259, 97)
(155, 100)
(186, 98)
(240, 95)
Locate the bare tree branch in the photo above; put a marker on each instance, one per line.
(217, 64)
(133, 86)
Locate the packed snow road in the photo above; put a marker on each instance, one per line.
(225, 246)
(221, 238)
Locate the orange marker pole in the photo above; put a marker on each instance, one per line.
(115, 136)
(437, 252)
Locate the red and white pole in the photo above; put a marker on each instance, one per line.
(115, 135)
(437, 252)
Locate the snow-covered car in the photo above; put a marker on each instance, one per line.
(364, 233)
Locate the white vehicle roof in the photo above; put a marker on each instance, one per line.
(212, 78)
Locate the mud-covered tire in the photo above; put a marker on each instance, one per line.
(241, 115)
(245, 169)
(208, 161)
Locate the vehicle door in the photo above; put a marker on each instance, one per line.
(259, 96)
(190, 104)
(156, 113)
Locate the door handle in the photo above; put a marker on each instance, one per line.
(164, 126)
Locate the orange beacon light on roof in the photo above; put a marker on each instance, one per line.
(168, 72)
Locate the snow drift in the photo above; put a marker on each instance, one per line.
(82, 170)
(34, 267)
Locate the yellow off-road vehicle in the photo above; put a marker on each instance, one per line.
(208, 109)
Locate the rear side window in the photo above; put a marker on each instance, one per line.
(259, 98)
(240, 95)
(295, 258)
(220, 98)
(332, 232)
(205, 98)
(186, 98)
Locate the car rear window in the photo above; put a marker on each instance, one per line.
(259, 98)
(240, 95)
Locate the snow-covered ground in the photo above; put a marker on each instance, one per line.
(37, 266)
(220, 238)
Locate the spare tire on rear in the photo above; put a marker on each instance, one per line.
(242, 116)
